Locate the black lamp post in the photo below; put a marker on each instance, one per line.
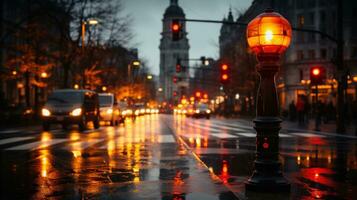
(268, 36)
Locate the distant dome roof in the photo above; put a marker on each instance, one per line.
(174, 10)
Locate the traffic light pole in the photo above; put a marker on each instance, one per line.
(317, 120)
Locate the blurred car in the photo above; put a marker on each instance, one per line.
(190, 110)
(70, 106)
(202, 110)
(109, 109)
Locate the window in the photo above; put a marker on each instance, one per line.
(301, 20)
(311, 54)
(323, 53)
(299, 55)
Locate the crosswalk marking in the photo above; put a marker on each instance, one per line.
(307, 135)
(80, 145)
(166, 139)
(14, 139)
(235, 124)
(247, 134)
(204, 127)
(9, 131)
(37, 145)
(223, 135)
(226, 127)
(284, 135)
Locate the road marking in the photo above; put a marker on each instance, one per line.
(9, 131)
(166, 139)
(307, 135)
(205, 127)
(225, 127)
(223, 135)
(247, 134)
(81, 145)
(233, 124)
(37, 145)
(14, 139)
(284, 135)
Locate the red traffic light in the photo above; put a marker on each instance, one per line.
(224, 77)
(317, 75)
(175, 27)
(174, 79)
(224, 67)
(176, 30)
(316, 71)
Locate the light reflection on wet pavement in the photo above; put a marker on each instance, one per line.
(140, 160)
(317, 165)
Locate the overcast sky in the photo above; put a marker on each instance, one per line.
(203, 38)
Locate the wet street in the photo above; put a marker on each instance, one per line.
(170, 157)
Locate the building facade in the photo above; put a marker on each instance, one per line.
(308, 50)
(170, 52)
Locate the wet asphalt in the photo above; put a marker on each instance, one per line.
(170, 157)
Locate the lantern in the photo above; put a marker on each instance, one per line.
(269, 33)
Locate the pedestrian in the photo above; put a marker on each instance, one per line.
(292, 111)
(300, 107)
(354, 114)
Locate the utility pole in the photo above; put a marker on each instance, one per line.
(341, 72)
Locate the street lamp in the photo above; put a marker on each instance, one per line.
(83, 25)
(268, 36)
(44, 75)
(149, 77)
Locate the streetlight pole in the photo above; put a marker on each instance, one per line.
(83, 28)
(268, 36)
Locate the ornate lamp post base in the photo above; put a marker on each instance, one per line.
(267, 175)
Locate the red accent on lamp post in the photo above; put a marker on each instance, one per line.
(268, 36)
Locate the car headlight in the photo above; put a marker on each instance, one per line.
(45, 112)
(197, 111)
(208, 111)
(76, 112)
(123, 113)
(137, 112)
(109, 111)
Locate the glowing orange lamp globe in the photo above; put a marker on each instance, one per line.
(269, 33)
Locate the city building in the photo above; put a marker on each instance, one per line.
(307, 50)
(170, 52)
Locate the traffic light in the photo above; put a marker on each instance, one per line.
(317, 75)
(178, 66)
(224, 75)
(176, 30)
(174, 79)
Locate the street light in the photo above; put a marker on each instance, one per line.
(44, 75)
(149, 77)
(83, 25)
(268, 36)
